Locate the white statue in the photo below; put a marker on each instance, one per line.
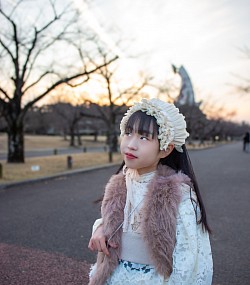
(186, 96)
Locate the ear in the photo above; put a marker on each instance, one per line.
(165, 153)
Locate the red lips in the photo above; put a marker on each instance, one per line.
(130, 155)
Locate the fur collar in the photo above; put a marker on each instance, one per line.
(159, 225)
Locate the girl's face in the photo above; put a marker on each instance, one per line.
(141, 150)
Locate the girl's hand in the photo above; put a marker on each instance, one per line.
(98, 242)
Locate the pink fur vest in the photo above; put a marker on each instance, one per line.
(159, 225)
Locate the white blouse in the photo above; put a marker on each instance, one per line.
(192, 257)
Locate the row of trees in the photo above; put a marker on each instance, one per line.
(76, 120)
(65, 119)
(53, 49)
(217, 126)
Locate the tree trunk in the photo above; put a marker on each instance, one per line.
(112, 135)
(112, 144)
(65, 134)
(72, 138)
(15, 144)
(79, 139)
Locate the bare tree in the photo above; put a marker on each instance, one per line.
(115, 100)
(70, 116)
(244, 86)
(217, 120)
(38, 55)
(36, 121)
(166, 90)
(196, 122)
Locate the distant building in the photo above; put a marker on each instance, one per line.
(186, 96)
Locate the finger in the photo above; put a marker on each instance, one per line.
(91, 245)
(98, 246)
(112, 244)
(94, 243)
(104, 247)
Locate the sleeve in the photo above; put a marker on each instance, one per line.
(96, 225)
(192, 260)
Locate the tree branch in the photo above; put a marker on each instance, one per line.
(38, 80)
(131, 91)
(78, 84)
(62, 81)
(83, 114)
(48, 44)
(5, 93)
(7, 49)
(2, 102)
(103, 114)
(15, 37)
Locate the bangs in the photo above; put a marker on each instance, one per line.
(142, 124)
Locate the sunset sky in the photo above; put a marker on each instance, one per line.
(206, 37)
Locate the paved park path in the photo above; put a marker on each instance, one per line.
(45, 226)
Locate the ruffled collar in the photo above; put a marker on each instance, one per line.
(135, 176)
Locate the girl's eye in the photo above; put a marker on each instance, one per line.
(128, 134)
(144, 138)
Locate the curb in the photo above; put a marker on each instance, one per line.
(50, 177)
(81, 170)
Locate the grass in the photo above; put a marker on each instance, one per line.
(13, 172)
(50, 142)
(54, 164)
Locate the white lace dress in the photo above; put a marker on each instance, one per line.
(192, 258)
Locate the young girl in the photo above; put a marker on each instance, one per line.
(153, 229)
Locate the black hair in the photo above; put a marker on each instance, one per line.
(142, 124)
(178, 161)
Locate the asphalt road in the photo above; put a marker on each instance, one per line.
(55, 216)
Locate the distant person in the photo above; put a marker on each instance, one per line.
(246, 141)
(154, 229)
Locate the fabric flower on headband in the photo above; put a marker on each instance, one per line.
(172, 124)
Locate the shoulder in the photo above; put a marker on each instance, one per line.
(167, 178)
(167, 173)
(168, 184)
(116, 180)
(115, 185)
(114, 194)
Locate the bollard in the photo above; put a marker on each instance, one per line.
(69, 162)
(55, 151)
(84, 149)
(1, 170)
(110, 156)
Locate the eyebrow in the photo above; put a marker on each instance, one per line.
(143, 132)
(140, 131)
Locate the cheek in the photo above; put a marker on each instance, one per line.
(122, 144)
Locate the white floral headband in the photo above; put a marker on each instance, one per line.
(172, 124)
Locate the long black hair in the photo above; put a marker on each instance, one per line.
(179, 161)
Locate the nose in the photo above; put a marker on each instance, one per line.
(132, 143)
